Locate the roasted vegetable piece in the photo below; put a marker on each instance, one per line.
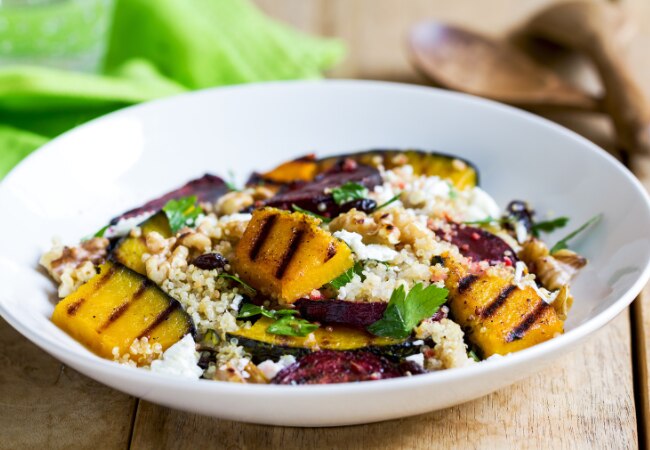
(355, 314)
(300, 169)
(315, 196)
(286, 255)
(263, 345)
(478, 244)
(117, 306)
(208, 188)
(326, 367)
(129, 250)
(460, 172)
(498, 316)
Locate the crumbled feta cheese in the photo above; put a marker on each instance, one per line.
(363, 251)
(521, 232)
(270, 369)
(418, 359)
(523, 282)
(124, 226)
(238, 217)
(236, 301)
(181, 359)
(481, 206)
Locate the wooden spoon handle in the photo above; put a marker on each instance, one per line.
(623, 100)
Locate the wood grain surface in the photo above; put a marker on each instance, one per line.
(585, 400)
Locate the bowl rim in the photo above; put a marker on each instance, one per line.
(93, 363)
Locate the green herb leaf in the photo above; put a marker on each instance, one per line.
(549, 225)
(251, 310)
(182, 212)
(472, 354)
(101, 232)
(309, 213)
(404, 312)
(392, 200)
(347, 276)
(453, 193)
(564, 243)
(237, 280)
(291, 326)
(348, 192)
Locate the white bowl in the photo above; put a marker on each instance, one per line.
(75, 183)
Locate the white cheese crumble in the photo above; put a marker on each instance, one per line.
(124, 226)
(181, 359)
(238, 217)
(270, 369)
(418, 359)
(372, 251)
(523, 282)
(480, 205)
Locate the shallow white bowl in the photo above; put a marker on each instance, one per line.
(75, 183)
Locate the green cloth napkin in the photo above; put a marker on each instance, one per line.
(156, 48)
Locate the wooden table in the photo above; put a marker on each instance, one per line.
(595, 397)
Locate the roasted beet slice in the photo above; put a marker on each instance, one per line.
(208, 188)
(356, 314)
(312, 196)
(327, 367)
(478, 244)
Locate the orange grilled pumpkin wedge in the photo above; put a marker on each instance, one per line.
(129, 250)
(118, 306)
(498, 316)
(286, 255)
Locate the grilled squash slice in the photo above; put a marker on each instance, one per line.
(498, 316)
(117, 306)
(262, 345)
(459, 171)
(286, 255)
(129, 250)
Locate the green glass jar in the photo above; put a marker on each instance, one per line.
(68, 34)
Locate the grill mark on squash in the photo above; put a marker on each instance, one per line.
(74, 307)
(292, 248)
(160, 319)
(262, 236)
(331, 251)
(529, 319)
(120, 310)
(466, 283)
(498, 302)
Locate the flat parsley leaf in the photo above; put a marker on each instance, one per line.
(347, 276)
(404, 312)
(348, 192)
(549, 225)
(291, 326)
(250, 310)
(182, 212)
(564, 243)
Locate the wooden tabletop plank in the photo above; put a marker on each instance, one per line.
(44, 404)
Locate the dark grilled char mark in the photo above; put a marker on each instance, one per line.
(262, 236)
(529, 319)
(491, 308)
(292, 248)
(74, 307)
(160, 319)
(331, 251)
(466, 283)
(120, 310)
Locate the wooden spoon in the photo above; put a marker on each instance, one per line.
(590, 28)
(462, 60)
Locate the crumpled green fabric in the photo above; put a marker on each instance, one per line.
(156, 48)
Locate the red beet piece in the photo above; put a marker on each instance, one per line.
(341, 312)
(208, 188)
(312, 196)
(356, 314)
(327, 366)
(478, 244)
